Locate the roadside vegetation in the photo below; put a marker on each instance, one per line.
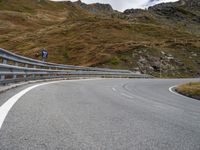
(190, 90)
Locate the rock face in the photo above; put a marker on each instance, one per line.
(183, 12)
(187, 5)
(133, 11)
(193, 4)
(96, 8)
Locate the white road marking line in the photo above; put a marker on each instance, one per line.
(128, 96)
(114, 89)
(6, 107)
(174, 92)
(171, 90)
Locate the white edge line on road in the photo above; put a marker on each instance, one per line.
(171, 90)
(6, 107)
(174, 92)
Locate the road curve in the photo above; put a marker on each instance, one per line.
(102, 114)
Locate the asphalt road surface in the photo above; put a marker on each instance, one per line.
(102, 114)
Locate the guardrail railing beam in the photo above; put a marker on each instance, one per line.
(34, 69)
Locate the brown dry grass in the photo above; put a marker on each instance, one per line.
(190, 89)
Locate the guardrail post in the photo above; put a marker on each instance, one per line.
(15, 76)
(49, 75)
(26, 66)
(33, 76)
(2, 77)
(5, 61)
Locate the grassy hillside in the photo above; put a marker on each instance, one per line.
(75, 36)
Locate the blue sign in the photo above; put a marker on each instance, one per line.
(44, 54)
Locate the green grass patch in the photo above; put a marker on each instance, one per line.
(115, 61)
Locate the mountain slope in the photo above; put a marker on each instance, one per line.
(74, 35)
(184, 14)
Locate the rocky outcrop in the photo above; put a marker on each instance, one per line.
(191, 4)
(133, 11)
(185, 5)
(96, 8)
(186, 13)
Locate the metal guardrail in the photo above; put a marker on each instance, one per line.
(15, 68)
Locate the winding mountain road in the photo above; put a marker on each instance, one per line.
(101, 114)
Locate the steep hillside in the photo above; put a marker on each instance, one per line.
(74, 35)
